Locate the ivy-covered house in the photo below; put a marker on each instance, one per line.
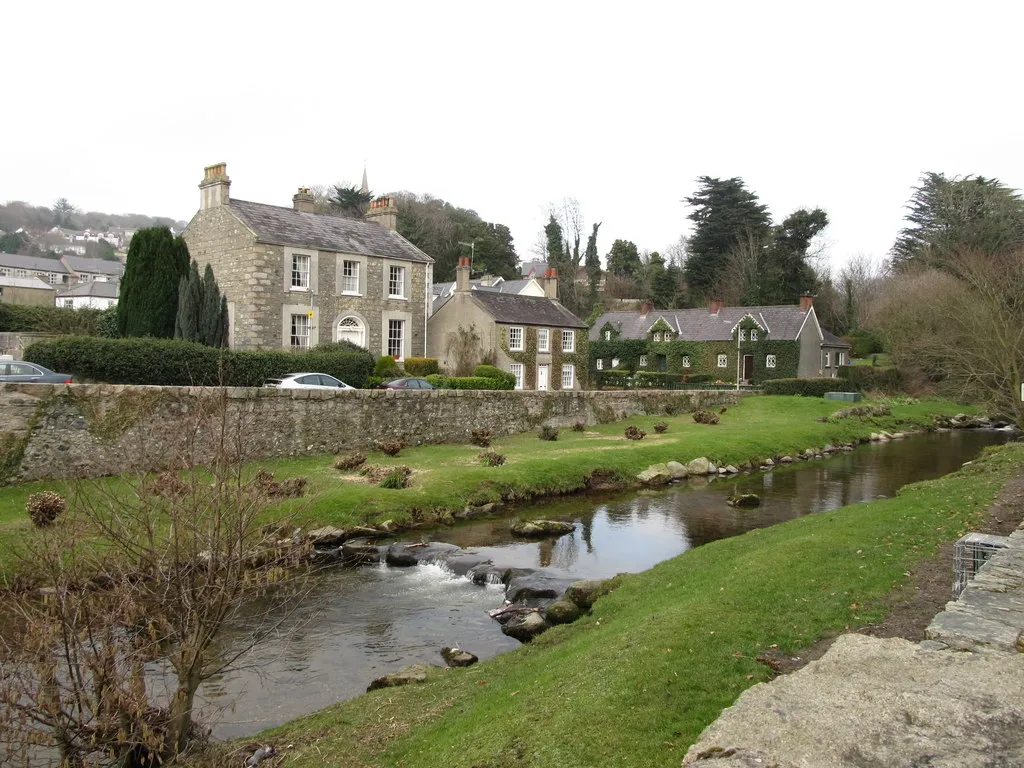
(534, 337)
(717, 344)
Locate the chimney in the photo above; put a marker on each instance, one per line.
(303, 201)
(716, 304)
(462, 274)
(384, 211)
(550, 283)
(213, 189)
(646, 307)
(806, 302)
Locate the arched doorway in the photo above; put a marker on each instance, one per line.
(351, 329)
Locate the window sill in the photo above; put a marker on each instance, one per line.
(350, 293)
(297, 289)
(399, 298)
(516, 349)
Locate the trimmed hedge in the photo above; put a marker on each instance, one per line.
(48, 319)
(171, 362)
(387, 368)
(507, 379)
(866, 377)
(469, 382)
(806, 387)
(420, 366)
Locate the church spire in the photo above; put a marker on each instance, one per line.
(365, 188)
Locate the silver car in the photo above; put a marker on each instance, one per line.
(18, 370)
(307, 381)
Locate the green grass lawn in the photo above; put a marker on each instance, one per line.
(634, 683)
(447, 477)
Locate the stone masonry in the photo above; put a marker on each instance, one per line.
(87, 430)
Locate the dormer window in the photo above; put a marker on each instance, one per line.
(743, 334)
(657, 335)
(753, 334)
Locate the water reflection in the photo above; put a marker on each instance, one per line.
(360, 623)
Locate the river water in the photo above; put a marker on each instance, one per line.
(359, 623)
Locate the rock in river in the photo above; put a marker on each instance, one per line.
(455, 657)
(656, 474)
(747, 500)
(541, 528)
(562, 612)
(417, 673)
(584, 593)
(525, 627)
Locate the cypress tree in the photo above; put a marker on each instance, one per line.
(209, 315)
(222, 341)
(148, 304)
(190, 302)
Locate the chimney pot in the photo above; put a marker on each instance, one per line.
(716, 304)
(806, 302)
(215, 186)
(303, 201)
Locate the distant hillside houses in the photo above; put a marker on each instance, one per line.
(67, 270)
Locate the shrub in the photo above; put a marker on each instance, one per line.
(387, 368)
(169, 486)
(508, 380)
(390, 447)
(349, 460)
(469, 382)
(481, 437)
(420, 366)
(45, 507)
(492, 459)
(698, 378)
(579, 426)
(372, 382)
(398, 477)
(439, 381)
(50, 319)
(634, 432)
(865, 377)
(705, 417)
(293, 487)
(378, 474)
(171, 362)
(804, 387)
(548, 433)
(660, 427)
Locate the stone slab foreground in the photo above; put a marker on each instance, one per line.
(871, 702)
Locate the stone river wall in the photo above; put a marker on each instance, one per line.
(87, 430)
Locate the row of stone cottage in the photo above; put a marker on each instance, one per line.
(295, 278)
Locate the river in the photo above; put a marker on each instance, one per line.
(359, 623)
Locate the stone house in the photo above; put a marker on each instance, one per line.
(748, 344)
(27, 291)
(534, 337)
(294, 278)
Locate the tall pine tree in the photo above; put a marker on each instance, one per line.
(190, 301)
(210, 332)
(148, 304)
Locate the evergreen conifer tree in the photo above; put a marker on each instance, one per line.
(190, 303)
(209, 316)
(148, 304)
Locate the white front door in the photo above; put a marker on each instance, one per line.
(542, 378)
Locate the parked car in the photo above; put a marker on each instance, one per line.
(18, 370)
(307, 381)
(407, 383)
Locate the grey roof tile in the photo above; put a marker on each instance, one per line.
(100, 289)
(286, 226)
(831, 340)
(526, 310)
(38, 263)
(95, 266)
(26, 282)
(782, 322)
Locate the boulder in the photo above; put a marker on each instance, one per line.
(677, 470)
(485, 509)
(744, 500)
(387, 527)
(400, 556)
(528, 585)
(562, 612)
(698, 466)
(416, 673)
(541, 528)
(786, 460)
(360, 553)
(328, 536)
(732, 469)
(585, 593)
(768, 463)
(525, 627)
(454, 657)
(656, 474)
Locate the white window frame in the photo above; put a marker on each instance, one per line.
(569, 341)
(543, 340)
(392, 269)
(600, 364)
(392, 337)
(657, 336)
(828, 358)
(839, 358)
(770, 361)
(300, 340)
(356, 323)
(607, 335)
(345, 279)
(568, 376)
(643, 361)
(723, 361)
(685, 362)
(743, 334)
(519, 371)
(753, 334)
(297, 273)
(514, 332)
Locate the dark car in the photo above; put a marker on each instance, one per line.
(17, 370)
(407, 383)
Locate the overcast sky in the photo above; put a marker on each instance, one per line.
(507, 107)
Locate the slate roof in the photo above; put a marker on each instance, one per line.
(95, 266)
(286, 226)
(781, 322)
(537, 267)
(100, 289)
(38, 263)
(831, 340)
(526, 310)
(25, 282)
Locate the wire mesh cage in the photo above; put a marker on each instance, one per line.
(970, 553)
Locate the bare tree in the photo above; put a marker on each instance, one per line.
(146, 571)
(740, 281)
(462, 349)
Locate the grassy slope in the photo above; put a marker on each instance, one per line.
(450, 476)
(635, 683)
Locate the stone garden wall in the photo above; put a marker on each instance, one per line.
(86, 430)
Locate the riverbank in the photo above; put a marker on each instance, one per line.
(448, 479)
(637, 681)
